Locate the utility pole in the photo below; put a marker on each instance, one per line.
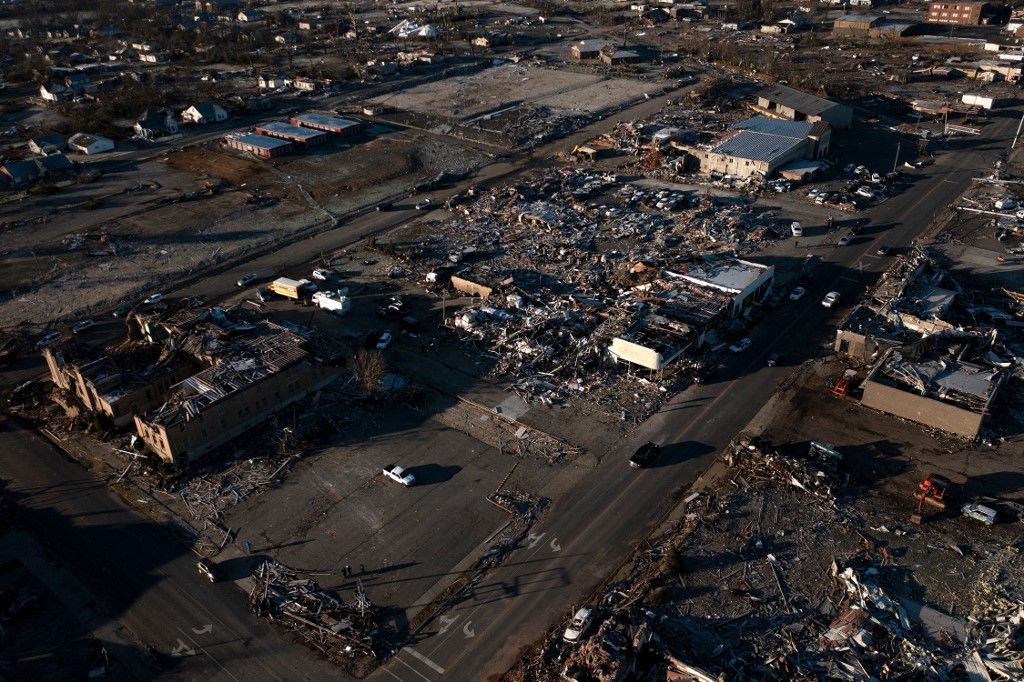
(1017, 135)
(896, 161)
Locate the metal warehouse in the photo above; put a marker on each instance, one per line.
(297, 134)
(331, 124)
(260, 145)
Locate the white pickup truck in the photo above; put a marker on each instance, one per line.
(399, 475)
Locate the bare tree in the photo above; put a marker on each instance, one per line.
(370, 368)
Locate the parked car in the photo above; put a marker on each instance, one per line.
(797, 294)
(741, 345)
(152, 299)
(774, 359)
(262, 294)
(384, 341)
(846, 240)
(47, 339)
(423, 204)
(883, 250)
(123, 309)
(82, 326)
(384, 206)
(979, 512)
(1006, 204)
(578, 625)
(246, 280)
(210, 570)
(830, 299)
(865, 192)
(796, 229)
(399, 475)
(321, 274)
(645, 455)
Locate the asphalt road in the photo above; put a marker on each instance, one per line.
(142, 578)
(147, 580)
(587, 534)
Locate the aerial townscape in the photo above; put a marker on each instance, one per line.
(512, 340)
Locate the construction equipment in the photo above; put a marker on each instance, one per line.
(842, 386)
(933, 491)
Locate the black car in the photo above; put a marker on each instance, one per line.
(646, 455)
(385, 206)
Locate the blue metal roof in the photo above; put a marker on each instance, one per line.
(262, 141)
(325, 120)
(290, 130)
(773, 126)
(755, 146)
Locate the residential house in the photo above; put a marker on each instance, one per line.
(79, 83)
(249, 15)
(21, 173)
(54, 165)
(204, 112)
(54, 92)
(84, 143)
(48, 144)
(272, 81)
(156, 123)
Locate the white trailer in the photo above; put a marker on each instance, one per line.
(333, 301)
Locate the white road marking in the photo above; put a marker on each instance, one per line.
(533, 539)
(468, 630)
(414, 670)
(208, 655)
(205, 630)
(446, 623)
(555, 547)
(426, 661)
(182, 649)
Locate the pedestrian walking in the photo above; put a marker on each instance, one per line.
(248, 547)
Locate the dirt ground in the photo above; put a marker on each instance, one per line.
(511, 85)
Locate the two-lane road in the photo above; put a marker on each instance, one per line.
(588, 533)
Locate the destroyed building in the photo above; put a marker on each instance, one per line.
(745, 282)
(914, 298)
(253, 376)
(126, 380)
(940, 391)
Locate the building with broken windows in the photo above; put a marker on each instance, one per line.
(253, 376)
(743, 281)
(125, 380)
(780, 101)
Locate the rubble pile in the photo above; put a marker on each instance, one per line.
(208, 495)
(342, 632)
(565, 262)
(773, 575)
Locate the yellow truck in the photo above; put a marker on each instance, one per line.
(292, 288)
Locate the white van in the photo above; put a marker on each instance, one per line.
(796, 228)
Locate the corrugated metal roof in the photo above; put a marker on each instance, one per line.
(763, 124)
(290, 130)
(755, 146)
(262, 141)
(804, 102)
(325, 120)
